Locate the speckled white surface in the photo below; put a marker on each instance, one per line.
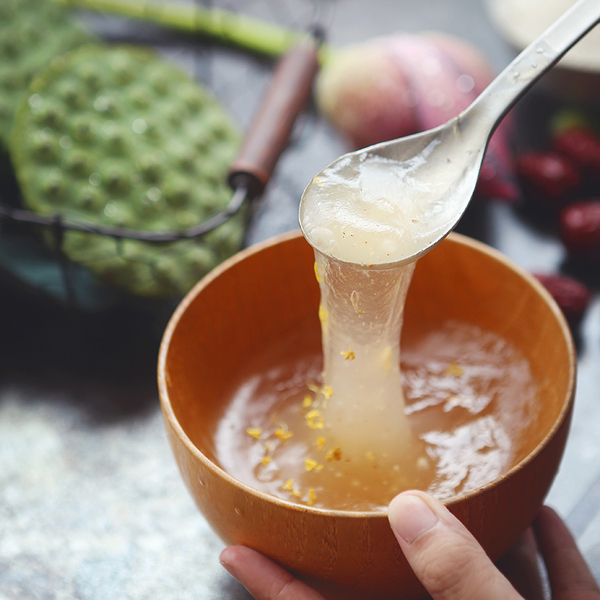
(97, 512)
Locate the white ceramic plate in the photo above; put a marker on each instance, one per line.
(577, 75)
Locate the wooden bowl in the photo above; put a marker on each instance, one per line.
(269, 291)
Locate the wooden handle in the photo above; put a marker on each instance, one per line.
(287, 94)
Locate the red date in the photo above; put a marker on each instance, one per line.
(580, 228)
(547, 177)
(582, 147)
(571, 295)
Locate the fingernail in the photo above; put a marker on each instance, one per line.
(410, 516)
(224, 560)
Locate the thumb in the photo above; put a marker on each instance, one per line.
(443, 554)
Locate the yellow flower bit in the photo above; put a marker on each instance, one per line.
(317, 274)
(349, 355)
(288, 486)
(312, 465)
(306, 401)
(323, 316)
(454, 369)
(326, 391)
(314, 419)
(354, 300)
(320, 443)
(335, 454)
(319, 181)
(311, 496)
(265, 460)
(283, 433)
(254, 432)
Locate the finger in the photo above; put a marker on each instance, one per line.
(520, 566)
(263, 578)
(443, 554)
(570, 577)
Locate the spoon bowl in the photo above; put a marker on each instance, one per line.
(425, 180)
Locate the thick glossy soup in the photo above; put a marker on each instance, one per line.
(352, 426)
(465, 391)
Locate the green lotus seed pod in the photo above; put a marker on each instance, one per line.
(137, 167)
(118, 214)
(199, 258)
(115, 176)
(165, 267)
(123, 68)
(44, 146)
(177, 190)
(117, 271)
(7, 10)
(140, 96)
(186, 219)
(150, 168)
(14, 81)
(32, 34)
(107, 105)
(91, 248)
(211, 169)
(192, 97)
(53, 185)
(6, 109)
(28, 33)
(151, 204)
(159, 80)
(82, 129)
(72, 93)
(174, 116)
(180, 155)
(91, 76)
(76, 162)
(90, 198)
(49, 113)
(114, 138)
(227, 237)
(12, 44)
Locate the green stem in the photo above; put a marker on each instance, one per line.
(225, 26)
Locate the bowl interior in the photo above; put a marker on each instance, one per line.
(261, 298)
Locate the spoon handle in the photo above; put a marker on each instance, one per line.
(537, 58)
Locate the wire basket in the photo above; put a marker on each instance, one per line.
(32, 245)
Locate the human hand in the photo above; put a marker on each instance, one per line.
(447, 559)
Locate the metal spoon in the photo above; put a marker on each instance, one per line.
(436, 170)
